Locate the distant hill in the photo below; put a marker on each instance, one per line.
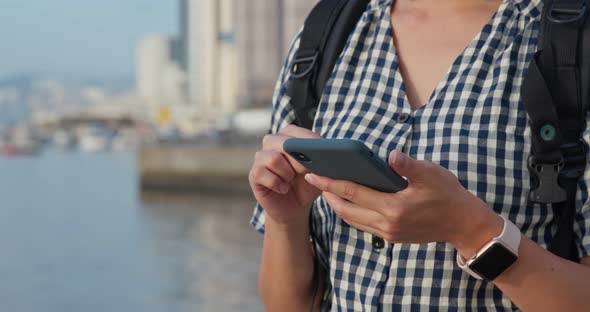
(20, 81)
(25, 92)
(114, 84)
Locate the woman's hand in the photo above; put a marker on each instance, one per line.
(434, 208)
(278, 182)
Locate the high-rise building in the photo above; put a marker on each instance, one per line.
(227, 53)
(233, 50)
(159, 79)
(182, 53)
(153, 57)
(264, 33)
(211, 51)
(294, 14)
(259, 38)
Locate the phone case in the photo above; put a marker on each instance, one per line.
(345, 159)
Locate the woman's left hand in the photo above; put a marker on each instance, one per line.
(435, 207)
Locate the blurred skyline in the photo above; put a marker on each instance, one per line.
(79, 38)
(187, 72)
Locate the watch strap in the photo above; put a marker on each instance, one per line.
(510, 238)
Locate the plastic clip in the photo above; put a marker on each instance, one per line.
(299, 61)
(548, 190)
(575, 159)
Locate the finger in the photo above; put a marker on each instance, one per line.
(415, 170)
(261, 176)
(366, 229)
(352, 192)
(275, 143)
(298, 132)
(355, 213)
(277, 163)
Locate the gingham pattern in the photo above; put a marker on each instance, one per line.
(474, 125)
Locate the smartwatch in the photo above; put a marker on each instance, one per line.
(496, 256)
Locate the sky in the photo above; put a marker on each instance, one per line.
(90, 38)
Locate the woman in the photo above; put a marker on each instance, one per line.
(434, 87)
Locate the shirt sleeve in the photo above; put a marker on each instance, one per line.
(582, 225)
(282, 116)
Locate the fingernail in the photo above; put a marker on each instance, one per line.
(393, 158)
(311, 179)
(284, 189)
(396, 158)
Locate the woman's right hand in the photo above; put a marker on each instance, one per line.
(278, 182)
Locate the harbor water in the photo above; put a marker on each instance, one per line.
(77, 234)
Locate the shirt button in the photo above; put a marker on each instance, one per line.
(378, 242)
(403, 117)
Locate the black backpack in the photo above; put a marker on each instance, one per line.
(555, 94)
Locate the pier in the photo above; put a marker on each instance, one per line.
(181, 167)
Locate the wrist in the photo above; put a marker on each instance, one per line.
(478, 225)
(292, 228)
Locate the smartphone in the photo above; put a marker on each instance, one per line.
(344, 159)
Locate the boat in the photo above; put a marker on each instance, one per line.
(91, 140)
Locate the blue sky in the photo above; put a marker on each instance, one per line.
(78, 37)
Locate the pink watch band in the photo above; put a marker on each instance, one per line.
(509, 238)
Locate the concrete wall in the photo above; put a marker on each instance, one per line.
(196, 168)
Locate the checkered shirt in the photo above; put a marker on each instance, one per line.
(475, 125)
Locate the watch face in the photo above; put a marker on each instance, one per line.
(493, 262)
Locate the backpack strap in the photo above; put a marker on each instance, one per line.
(322, 40)
(555, 97)
(324, 35)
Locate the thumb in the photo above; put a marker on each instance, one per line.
(299, 132)
(406, 166)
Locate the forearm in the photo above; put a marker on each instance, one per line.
(287, 268)
(538, 280)
(541, 281)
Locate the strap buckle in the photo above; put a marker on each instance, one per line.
(572, 165)
(575, 156)
(303, 65)
(548, 189)
(567, 15)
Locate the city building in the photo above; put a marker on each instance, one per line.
(258, 36)
(233, 50)
(159, 79)
(295, 12)
(211, 56)
(264, 33)
(182, 52)
(153, 57)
